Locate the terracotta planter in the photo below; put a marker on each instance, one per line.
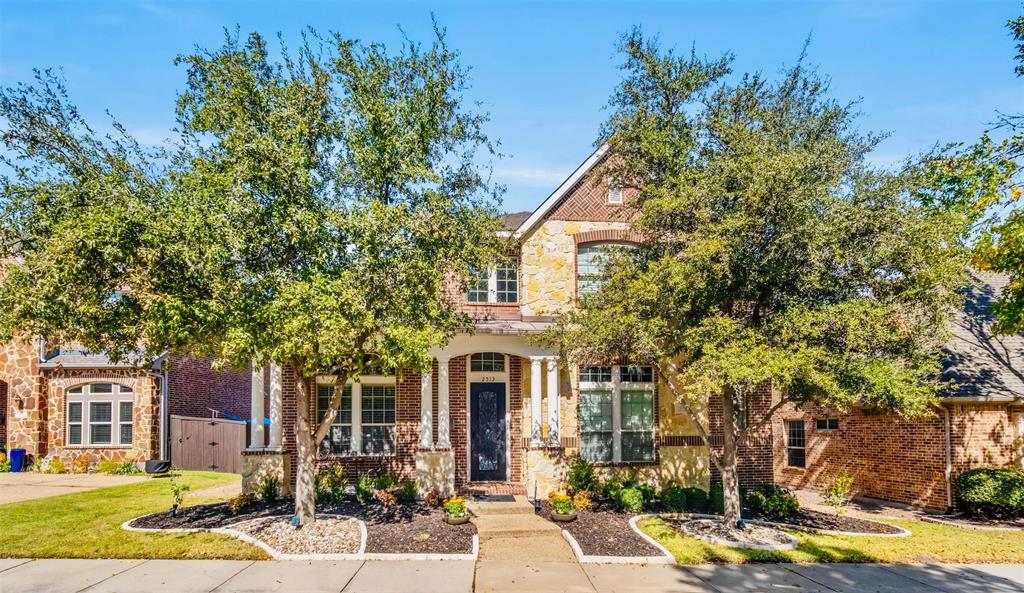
(456, 520)
(563, 517)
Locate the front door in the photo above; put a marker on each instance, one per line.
(488, 441)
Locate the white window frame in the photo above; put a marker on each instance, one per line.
(492, 284)
(356, 387)
(87, 399)
(615, 195)
(617, 386)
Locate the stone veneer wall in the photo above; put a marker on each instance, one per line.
(26, 402)
(145, 419)
(894, 459)
(4, 411)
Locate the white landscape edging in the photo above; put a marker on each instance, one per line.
(665, 558)
(903, 532)
(361, 554)
(941, 520)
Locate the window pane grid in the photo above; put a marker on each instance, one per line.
(507, 276)
(795, 443)
(596, 375)
(378, 404)
(633, 374)
(96, 415)
(487, 362)
(323, 402)
(476, 287)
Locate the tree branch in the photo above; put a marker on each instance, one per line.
(693, 416)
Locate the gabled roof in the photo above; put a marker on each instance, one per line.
(542, 211)
(979, 363)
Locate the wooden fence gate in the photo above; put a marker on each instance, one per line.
(210, 444)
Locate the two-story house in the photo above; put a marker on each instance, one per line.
(498, 413)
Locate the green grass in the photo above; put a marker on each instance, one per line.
(88, 524)
(929, 542)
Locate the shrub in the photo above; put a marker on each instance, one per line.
(36, 464)
(991, 492)
(581, 500)
(631, 499)
(716, 499)
(561, 503)
(773, 502)
(433, 498)
(696, 499)
(364, 488)
(673, 498)
(455, 506)
(178, 490)
(330, 484)
(581, 475)
(838, 492)
(81, 464)
(407, 491)
(5, 463)
(117, 468)
(384, 481)
(56, 466)
(269, 489)
(385, 498)
(238, 503)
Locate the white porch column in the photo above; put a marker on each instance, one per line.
(426, 412)
(256, 409)
(276, 411)
(554, 417)
(535, 383)
(443, 419)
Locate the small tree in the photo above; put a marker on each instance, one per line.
(311, 217)
(772, 253)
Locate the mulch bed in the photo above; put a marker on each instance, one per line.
(604, 531)
(403, 529)
(830, 521)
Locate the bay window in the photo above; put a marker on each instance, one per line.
(617, 413)
(99, 414)
(365, 424)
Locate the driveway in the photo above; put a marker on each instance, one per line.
(15, 487)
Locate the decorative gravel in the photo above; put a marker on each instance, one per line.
(710, 531)
(328, 535)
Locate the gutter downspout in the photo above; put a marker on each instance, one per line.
(164, 415)
(949, 459)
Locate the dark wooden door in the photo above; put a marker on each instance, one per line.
(211, 444)
(489, 440)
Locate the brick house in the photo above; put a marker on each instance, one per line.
(65, 402)
(497, 412)
(979, 422)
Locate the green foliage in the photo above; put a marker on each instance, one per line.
(330, 484)
(696, 499)
(179, 489)
(269, 489)
(1017, 30)
(716, 499)
(407, 491)
(673, 498)
(117, 468)
(561, 503)
(773, 502)
(5, 464)
(580, 475)
(384, 481)
(455, 506)
(991, 491)
(838, 492)
(365, 485)
(631, 499)
(56, 466)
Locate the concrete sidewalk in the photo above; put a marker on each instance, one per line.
(181, 576)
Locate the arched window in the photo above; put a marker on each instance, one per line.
(100, 415)
(591, 261)
(489, 362)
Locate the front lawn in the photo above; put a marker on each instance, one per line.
(88, 524)
(929, 543)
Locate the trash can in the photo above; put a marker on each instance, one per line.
(17, 460)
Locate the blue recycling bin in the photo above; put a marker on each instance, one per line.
(17, 460)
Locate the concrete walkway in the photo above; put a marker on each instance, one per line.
(16, 487)
(192, 576)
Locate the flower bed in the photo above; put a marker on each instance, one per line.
(408, 528)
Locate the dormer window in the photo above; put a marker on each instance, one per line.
(614, 195)
(497, 284)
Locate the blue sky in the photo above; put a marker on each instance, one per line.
(927, 72)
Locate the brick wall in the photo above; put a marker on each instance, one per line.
(588, 201)
(457, 415)
(893, 459)
(755, 457)
(195, 388)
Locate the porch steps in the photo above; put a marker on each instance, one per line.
(513, 526)
(512, 531)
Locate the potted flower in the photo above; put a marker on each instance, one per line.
(562, 508)
(455, 511)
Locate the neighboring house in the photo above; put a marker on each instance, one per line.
(980, 421)
(66, 402)
(498, 413)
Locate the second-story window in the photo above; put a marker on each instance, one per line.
(591, 261)
(498, 284)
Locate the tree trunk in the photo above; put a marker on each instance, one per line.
(730, 477)
(305, 470)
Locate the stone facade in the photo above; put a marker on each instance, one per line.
(895, 459)
(260, 465)
(26, 402)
